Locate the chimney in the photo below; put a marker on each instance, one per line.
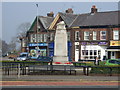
(51, 14)
(69, 10)
(94, 9)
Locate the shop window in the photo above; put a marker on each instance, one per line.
(86, 35)
(95, 52)
(102, 35)
(91, 54)
(115, 35)
(86, 52)
(113, 54)
(99, 54)
(83, 52)
(77, 35)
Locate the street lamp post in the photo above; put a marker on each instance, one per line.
(37, 30)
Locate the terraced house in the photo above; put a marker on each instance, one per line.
(90, 35)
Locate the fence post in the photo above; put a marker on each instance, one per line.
(87, 70)
(110, 71)
(84, 70)
(19, 70)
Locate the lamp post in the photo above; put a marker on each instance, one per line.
(37, 30)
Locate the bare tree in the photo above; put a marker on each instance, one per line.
(4, 47)
(22, 29)
(21, 32)
(12, 44)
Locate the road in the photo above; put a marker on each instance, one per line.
(60, 81)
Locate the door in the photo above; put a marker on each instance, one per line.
(76, 55)
(112, 55)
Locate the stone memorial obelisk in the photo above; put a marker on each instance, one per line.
(60, 47)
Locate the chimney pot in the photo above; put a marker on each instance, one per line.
(69, 10)
(51, 14)
(94, 9)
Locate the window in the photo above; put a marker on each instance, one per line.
(24, 43)
(113, 54)
(94, 35)
(86, 35)
(86, 52)
(103, 35)
(77, 47)
(95, 52)
(83, 52)
(99, 54)
(91, 54)
(51, 36)
(115, 35)
(45, 37)
(77, 36)
(35, 40)
(39, 37)
(33, 37)
(68, 36)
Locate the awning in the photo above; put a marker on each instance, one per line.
(113, 48)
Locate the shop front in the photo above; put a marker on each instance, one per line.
(36, 50)
(114, 50)
(93, 50)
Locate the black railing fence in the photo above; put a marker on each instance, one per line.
(24, 68)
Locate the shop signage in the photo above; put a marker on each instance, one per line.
(114, 43)
(38, 44)
(102, 43)
(89, 43)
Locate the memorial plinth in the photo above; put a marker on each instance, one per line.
(60, 49)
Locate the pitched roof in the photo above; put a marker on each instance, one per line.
(68, 18)
(97, 19)
(46, 21)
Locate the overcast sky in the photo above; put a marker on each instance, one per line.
(16, 13)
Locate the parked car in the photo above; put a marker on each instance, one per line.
(23, 56)
(12, 56)
(112, 62)
(44, 59)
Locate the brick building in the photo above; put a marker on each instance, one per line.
(90, 35)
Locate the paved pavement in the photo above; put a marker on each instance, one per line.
(58, 78)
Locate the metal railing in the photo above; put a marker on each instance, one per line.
(23, 68)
